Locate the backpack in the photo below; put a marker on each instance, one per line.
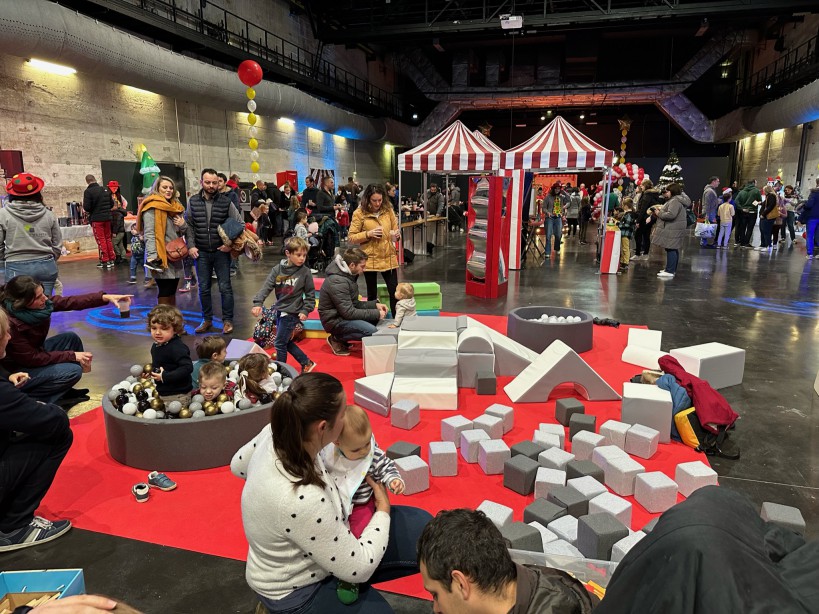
(264, 333)
(137, 246)
(694, 436)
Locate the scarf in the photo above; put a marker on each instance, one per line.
(161, 208)
(30, 316)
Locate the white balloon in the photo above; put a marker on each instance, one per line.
(256, 177)
(253, 131)
(251, 106)
(254, 155)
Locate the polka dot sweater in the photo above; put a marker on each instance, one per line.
(299, 536)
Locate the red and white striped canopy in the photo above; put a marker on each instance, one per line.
(455, 149)
(482, 138)
(559, 145)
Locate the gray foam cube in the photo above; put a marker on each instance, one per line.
(527, 448)
(620, 474)
(402, 449)
(608, 503)
(597, 534)
(581, 422)
(500, 515)
(649, 526)
(542, 511)
(522, 536)
(486, 382)
(615, 432)
(565, 408)
(601, 455)
(545, 534)
(491, 424)
(555, 458)
(694, 475)
(461, 322)
(505, 413)
(655, 491)
(560, 547)
(469, 444)
(492, 455)
(642, 441)
(469, 365)
(547, 479)
(580, 468)
(546, 440)
(405, 414)
(519, 474)
(415, 473)
(587, 486)
(584, 443)
(443, 458)
(576, 504)
(565, 528)
(621, 548)
(783, 515)
(452, 427)
(554, 429)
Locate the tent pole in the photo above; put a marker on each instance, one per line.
(604, 214)
(424, 215)
(400, 213)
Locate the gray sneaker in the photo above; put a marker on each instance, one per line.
(38, 531)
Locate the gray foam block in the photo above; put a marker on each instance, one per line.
(542, 511)
(546, 480)
(580, 468)
(649, 526)
(642, 441)
(584, 443)
(386, 331)
(620, 473)
(505, 413)
(576, 504)
(443, 458)
(519, 474)
(565, 408)
(615, 432)
(492, 455)
(581, 422)
(469, 365)
(545, 534)
(555, 429)
(608, 503)
(621, 548)
(587, 486)
(378, 340)
(475, 341)
(491, 424)
(693, 475)
(370, 405)
(486, 382)
(555, 458)
(522, 536)
(452, 427)
(565, 528)
(405, 414)
(461, 322)
(415, 473)
(424, 362)
(469, 444)
(783, 515)
(527, 448)
(500, 515)
(402, 449)
(546, 440)
(560, 547)
(439, 324)
(655, 491)
(597, 534)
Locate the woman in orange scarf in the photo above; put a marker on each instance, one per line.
(160, 219)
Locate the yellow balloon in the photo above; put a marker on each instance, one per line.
(254, 167)
(253, 144)
(251, 119)
(624, 132)
(622, 145)
(622, 160)
(251, 93)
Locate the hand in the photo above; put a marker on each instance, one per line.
(302, 317)
(397, 486)
(256, 311)
(157, 376)
(114, 299)
(393, 326)
(382, 499)
(221, 248)
(395, 235)
(193, 253)
(377, 233)
(84, 358)
(77, 604)
(18, 379)
(178, 221)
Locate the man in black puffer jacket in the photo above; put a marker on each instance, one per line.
(96, 200)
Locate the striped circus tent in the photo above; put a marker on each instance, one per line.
(558, 146)
(482, 138)
(454, 149)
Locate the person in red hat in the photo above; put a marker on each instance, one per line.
(96, 200)
(30, 236)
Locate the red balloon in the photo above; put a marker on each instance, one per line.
(250, 73)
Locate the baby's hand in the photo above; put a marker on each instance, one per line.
(392, 326)
(256, 311)
(397, 486)
(157, 377)
(302, 317)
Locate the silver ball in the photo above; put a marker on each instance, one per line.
(199, 413)
(131, 379)
(112, 394)
(174, 407)
(195, 406)
(129, 409)
(198, 398)
(234, 363)
(287, 381)
(136, 370)
(277, 378)
(160, 415)
(244, 404)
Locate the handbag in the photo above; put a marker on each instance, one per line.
(264, 333)
(690, 218)
(704, 230)
(176, 249)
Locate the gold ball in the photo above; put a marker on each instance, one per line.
(276, 395)
(211, 410)
(137, 388)
(208, 405)
(227, 369)
(157, 404)
(270, 370)
(185, 413)
(138, 414)
(147, 368)
(222, 398)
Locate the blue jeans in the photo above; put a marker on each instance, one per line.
(398, 561)
(206, 264)
(43, 270)
(766, 228)
(672, 258)
(353, 330)
(285, 324)
(812, 226)
(554, 226)
(49, 383)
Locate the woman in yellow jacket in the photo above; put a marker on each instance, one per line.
(374, 228)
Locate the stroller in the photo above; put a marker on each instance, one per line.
(320, 255)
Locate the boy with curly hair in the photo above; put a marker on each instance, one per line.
(171, 359)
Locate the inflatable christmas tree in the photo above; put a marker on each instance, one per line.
(148, 169)
(672, 172)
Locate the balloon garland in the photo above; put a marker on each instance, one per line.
(625, 126)
(619, 171)
(250, 74)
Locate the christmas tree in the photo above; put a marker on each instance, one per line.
(672, 172)
(148, 169)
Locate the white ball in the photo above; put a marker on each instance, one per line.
(198, 398)
(160, 415)
(275, 366)
(245, 404)
(129, 409)
(112, 394)
(174, 407)
(199, 413)
(131, 379)
(287, 381)
(552, 319)
(124, 384)
(234, 364)
(195, 406)
(561, 319)
(149, 414)
(132, 398)
(227, 407)
(277, 378)
(136, 370)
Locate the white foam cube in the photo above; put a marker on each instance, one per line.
(615, 431)
(648, 405)
(378, 353)
(612, 504)
(554, 429)
(546, 480)
(491, 424)
(452, 427)
(620, 473)
(642, 357)
(443, 458)
(405, 414)
(469, 444)
(719, 364)
(500, 515)
(428, 392)
(694, 475)
(601, 455)
(655, 491)
(584, 443)
(415, 473)
(645, 338)
(545, 534)
(492, 454)
(565, 528)
(620, 549)
(642, 441)
(587, 486)
(505, 413)
(560, 547)
(547, 440)
(555, 458)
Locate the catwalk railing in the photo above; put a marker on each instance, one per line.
(796, 68)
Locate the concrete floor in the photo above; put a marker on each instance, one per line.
(767, 303)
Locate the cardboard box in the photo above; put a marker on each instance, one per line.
(10, 601)
(21, 587)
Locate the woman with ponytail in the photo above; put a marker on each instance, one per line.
(299, 537)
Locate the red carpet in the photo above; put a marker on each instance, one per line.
(203, 514)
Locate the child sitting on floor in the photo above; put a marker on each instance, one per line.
(211, 348)
(213, 382)
(405, 307)
(171, 359)
(254, 382)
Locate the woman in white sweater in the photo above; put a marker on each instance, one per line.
(299, 537)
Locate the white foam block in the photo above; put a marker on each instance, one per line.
(602, 455)
(545, 533)
(475, 341)
(427, 339)
(645, 338)
(615, 431)
(648, 405)
(584, 443)
(612, 504)
(510, 356)
(547, 440)
(375, 387)
(621, 548)
(719, 364)
(693, 475)
(379, 354)
(554, 429)
(642, 357)
(547, 479)
(369, 404)
(558, 364)
(429, 393)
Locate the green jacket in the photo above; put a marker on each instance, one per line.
(746, 197)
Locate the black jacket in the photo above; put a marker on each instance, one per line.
(338, 299)
(308, 195)
(175, 358)
(203, 234)
(325, 204)
(96, 200)
(118, 220)
(648, 199)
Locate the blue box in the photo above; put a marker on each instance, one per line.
(65, 581)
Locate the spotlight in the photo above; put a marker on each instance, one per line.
(549, 113)
(415, 116)
(582, 116)
(55, 69)
(542, 117)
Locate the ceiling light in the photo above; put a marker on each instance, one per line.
(415, 116)
(287, 120)
(582, 116)
(542, 117)
(549, 113)
(55, 69)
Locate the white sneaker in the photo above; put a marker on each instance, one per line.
(762, 249)
(665, 275)
(634, 257)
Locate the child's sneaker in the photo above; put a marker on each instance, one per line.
(186, 287)
(347, 592)
(38, 531)
(132, 281)
(308, 367)
(141, 492)
(160, 481)
(155, 265)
